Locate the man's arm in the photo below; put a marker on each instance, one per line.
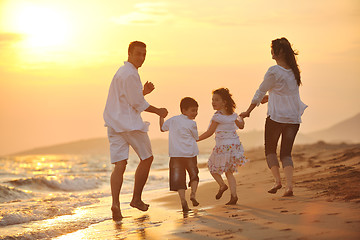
(162, 112)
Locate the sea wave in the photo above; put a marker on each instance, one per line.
(8, 194)
(58, 183)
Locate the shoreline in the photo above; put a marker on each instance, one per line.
(320, 209)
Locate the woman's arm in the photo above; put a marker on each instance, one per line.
(248, 111)
(208, 132)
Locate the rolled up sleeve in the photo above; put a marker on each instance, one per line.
(134, 93)
(266, 85)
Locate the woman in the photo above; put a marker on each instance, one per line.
(285, 108)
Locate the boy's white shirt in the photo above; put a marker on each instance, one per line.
(182, 136)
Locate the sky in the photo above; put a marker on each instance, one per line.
(57, 60)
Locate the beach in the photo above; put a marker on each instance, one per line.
(326, 205)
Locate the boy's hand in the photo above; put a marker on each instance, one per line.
(148, 88)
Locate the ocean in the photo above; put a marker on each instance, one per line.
(41, 195)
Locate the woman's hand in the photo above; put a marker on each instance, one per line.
(244, 114)
(265, 99)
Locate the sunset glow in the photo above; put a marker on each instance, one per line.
(57, 60)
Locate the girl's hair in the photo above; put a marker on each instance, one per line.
(225, 95)
(282, 45)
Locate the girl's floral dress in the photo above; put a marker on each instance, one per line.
(228, 153)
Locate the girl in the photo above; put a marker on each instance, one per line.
(285, 108)
(228, 152)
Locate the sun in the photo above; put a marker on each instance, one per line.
(42, 26)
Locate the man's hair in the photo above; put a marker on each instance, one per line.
(188, 102)
(134, 44)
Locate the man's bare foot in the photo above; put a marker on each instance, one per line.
(139, 205)
(116, 213)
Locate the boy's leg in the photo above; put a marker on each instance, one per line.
(184, 204)
(141, 176)
(193, 172)
(116, 181)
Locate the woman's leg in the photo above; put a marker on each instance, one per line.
(287, 142)
(272, 135)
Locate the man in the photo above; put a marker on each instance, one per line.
(126, 128)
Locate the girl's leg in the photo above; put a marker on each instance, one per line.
(220, 181)
(232, 183)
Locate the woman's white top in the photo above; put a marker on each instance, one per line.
(285, 105)
(182, 136)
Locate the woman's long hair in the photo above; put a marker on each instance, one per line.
(225, 95)
(282, 45)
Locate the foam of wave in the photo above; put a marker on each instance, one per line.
(61, 183)
(48, 207)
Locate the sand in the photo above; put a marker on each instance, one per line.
(326, 204)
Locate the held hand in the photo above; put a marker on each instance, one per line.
(163, 112)
(148, 88)
(265, 99)
(244, 115)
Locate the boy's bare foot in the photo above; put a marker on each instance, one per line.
(185, 206)
(194, 202)
(116, 213)
(139, 205)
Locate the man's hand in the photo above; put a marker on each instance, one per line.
(163, 112)
(148, 88)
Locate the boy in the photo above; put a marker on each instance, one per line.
(183, 150)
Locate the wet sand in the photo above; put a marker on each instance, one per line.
(326, 204)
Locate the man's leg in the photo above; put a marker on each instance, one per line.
(116, 181)
(141, 176)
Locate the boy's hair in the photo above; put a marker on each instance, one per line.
(187, 102)
(134, 44)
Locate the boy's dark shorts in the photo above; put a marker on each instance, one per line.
(178, 167)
